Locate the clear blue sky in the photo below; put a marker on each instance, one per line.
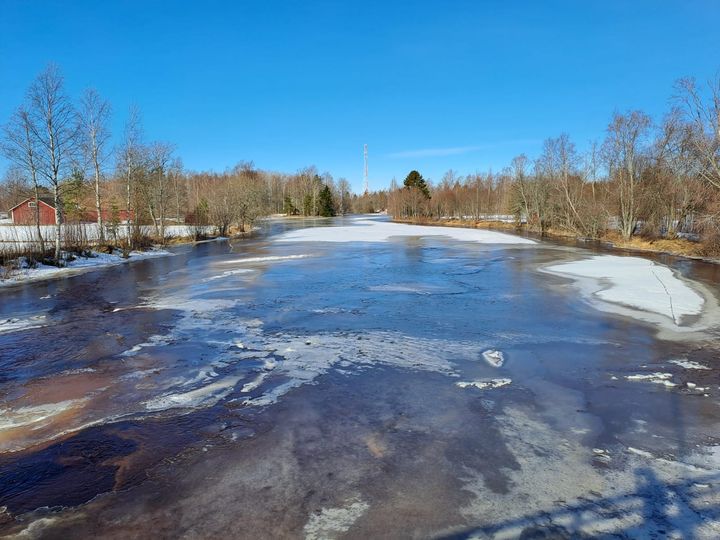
(427, 85)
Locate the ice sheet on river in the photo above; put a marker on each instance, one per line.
(639, 288)
(367, 230)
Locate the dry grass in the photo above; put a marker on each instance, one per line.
(462, 224)
(177, 240)
(676, 246)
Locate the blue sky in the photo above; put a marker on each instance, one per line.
(427, 85)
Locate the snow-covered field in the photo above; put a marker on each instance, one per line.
(367, 230)
(637, 287)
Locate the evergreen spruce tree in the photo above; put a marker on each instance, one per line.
(415, 180)
(289, 207)
(326, 204)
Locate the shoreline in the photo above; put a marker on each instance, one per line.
(98, 260)
(612, 241)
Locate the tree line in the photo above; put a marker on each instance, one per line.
(656, 179)
(63, 148)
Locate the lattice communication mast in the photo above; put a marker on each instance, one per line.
(365, 175)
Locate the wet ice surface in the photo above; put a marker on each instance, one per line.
(414, 387)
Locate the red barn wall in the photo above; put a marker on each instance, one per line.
(24, 215)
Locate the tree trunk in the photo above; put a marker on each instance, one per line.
(101, 232)
(127, 209)
(58, 222)
(37, 216)
(154, 220)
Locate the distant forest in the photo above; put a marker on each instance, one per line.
(656, 179)
(61, 149)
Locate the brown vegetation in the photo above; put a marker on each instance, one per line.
(646, 186)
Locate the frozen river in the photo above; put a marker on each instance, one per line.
(353, 378)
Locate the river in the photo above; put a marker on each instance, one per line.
(343, 378)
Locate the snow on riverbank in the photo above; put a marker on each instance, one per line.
(636, 283)
(366, 230)
(78, 265)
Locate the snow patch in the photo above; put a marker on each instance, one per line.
(484, 384)
(688, 364)
(79, 264)
(366, 230)
(657, 378)
(334, 522)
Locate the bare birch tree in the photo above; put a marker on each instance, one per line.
(158, 185)
(130, 162)
(626, 136)
(178, 182)
(54, 128)
(95, 117)
(559, 162)
(704, 116)
(19, 146)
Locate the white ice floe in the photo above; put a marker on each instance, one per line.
(696, 388)
(153, 341)
(688, 364)
(255, 383)
(367, 230)
(617, 283)
(200, 397)
(230, 273)
(16, 324)
(34, 414)
(638, 452)
(334, 522)
(269, 258)
(494, 358)
(483, 384)
(663, 379)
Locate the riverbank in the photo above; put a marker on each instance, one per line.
(75, 264)
(20, 272)
(678, 247)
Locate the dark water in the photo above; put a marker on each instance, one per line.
(262, 389)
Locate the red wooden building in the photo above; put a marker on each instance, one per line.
(24, 213)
